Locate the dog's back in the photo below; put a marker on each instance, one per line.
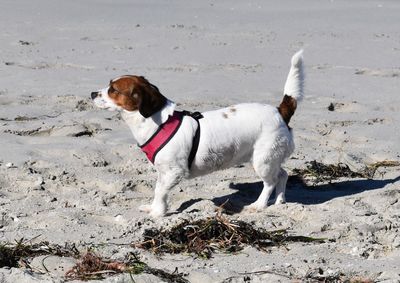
(230, 135)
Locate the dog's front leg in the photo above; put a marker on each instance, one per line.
(165, 182)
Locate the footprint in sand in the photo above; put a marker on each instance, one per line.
(75, 130)
(385, 73)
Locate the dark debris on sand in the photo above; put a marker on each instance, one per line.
(205, 236)
(317, 172)
(91, 267)
(12, 254)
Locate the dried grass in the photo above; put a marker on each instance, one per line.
(91, 266)
(11, 254)
(317, 172)
(203, 237)
(317, 275)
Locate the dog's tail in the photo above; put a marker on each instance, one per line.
(293, 91)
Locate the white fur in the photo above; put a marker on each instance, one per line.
(104, 102)
(250, 132)
(295, 81)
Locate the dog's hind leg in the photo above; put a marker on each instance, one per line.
(268, 170)
(281, 187)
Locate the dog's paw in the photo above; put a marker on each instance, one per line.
(145, 208)
(254, 207)
(153, 212)
(156, 213)
(280, 200)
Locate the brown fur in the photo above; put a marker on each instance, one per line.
(287, 108)
(136, 93)
(225, 115)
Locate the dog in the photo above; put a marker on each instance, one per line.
(181, 144)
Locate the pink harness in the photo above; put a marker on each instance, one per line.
(165, 133)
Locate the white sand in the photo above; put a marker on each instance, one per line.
(203, 55)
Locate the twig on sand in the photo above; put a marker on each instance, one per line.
(260, 272)
(318, 275)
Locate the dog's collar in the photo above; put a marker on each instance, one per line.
(165, 133)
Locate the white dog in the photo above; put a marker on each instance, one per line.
(181, 144)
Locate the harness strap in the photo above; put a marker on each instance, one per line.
(162, 136)
(196, 139)
(165, 133)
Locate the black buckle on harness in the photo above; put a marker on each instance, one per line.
(195, 115)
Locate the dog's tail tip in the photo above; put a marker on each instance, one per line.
(295, 81)
(293, 90)
(297, 58)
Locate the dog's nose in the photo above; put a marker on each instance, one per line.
(94, 94)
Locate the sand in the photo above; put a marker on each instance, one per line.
(70, 172)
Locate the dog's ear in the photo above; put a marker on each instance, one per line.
(150, 100)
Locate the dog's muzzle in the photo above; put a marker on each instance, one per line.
(94, 94)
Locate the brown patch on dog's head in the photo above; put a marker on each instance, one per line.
(287, 108)
(136, 93)
(232, 109)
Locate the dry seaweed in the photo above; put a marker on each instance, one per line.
(205, 236)
(91, 266)
(370, 170)
(317, 172)
(318, 275)
(11, 254)
(310, 277)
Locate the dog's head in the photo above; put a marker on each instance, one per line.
(130, 93)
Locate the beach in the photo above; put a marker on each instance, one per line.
(72, 173)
